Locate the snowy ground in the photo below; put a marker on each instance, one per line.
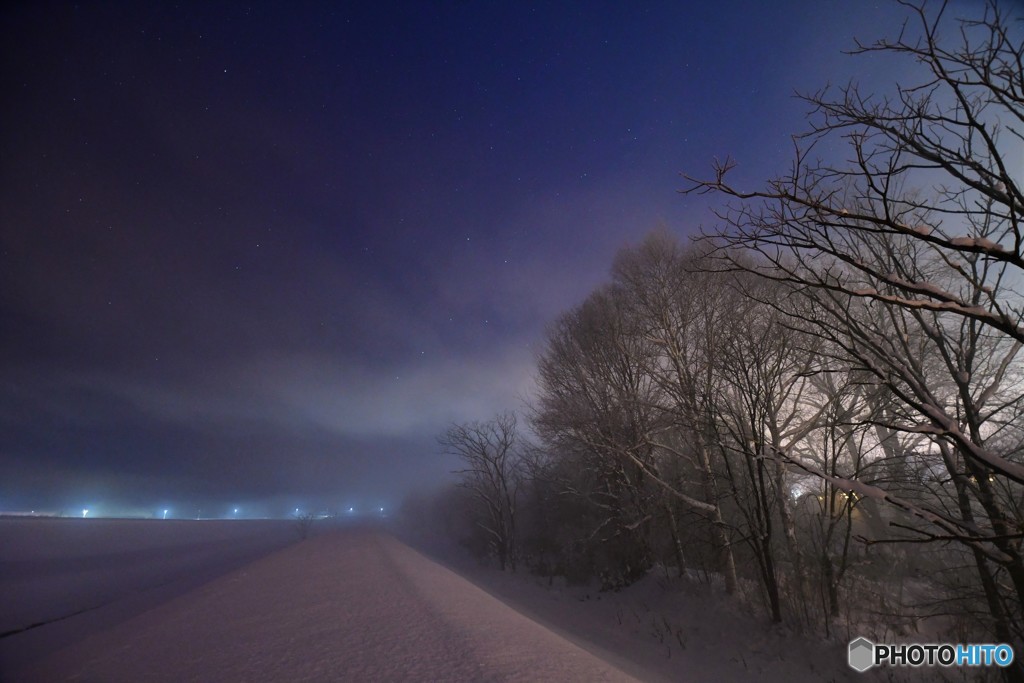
(227, 601)
(344, 605)
(664, 629)
(61, 579)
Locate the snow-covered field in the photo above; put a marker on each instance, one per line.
(345, 605)
(62, 579)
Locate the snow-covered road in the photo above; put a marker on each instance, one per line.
(347, 605)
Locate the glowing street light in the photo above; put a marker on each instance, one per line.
(165, 514)
(85, 512)
(236, 512)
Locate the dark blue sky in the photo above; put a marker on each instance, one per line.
(267, 252)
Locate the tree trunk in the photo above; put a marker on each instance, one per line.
(723, 549)
(677, 545)
(789, 532)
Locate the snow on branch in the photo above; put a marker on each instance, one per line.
(955, 530)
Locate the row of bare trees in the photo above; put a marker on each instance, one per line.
(907, 265)
(824, 397)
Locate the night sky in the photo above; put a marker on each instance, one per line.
(262, 254)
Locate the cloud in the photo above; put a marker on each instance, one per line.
(411, 399)
(303, 392)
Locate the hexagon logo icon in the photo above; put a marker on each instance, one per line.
(862, 655)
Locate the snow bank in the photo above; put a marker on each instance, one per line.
(668, 629)
(348, 605)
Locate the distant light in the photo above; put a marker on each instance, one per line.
(165, 514)
(296, 510)
(351, 509)
(382, 509)
(236, 511)
(85, 512)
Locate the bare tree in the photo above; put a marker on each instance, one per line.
(837, 445)
(846, 229)
(766, 405)
(682, 312)
(596, 406)
(304, 524)
(910, 259)
(493, 474)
